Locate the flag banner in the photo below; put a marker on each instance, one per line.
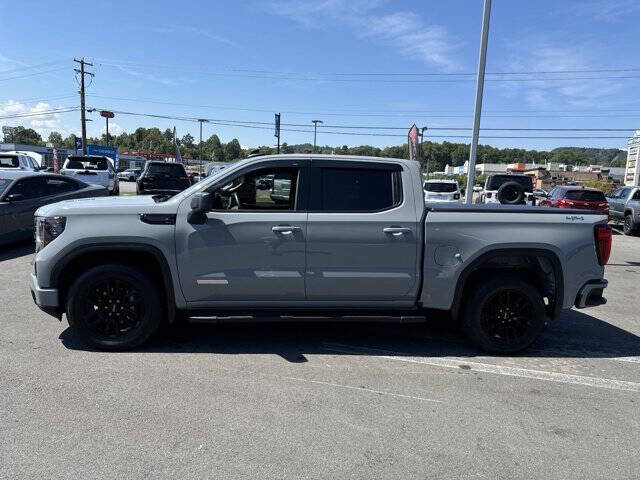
(413, 140)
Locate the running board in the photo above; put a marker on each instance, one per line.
(305, 318)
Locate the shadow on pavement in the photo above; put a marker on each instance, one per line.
(15, 250)
(573, 335)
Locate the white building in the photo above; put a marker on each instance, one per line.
(632, 170)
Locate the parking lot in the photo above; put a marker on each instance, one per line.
(322, 400)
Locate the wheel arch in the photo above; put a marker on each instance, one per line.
(145, 256)
(491, 262)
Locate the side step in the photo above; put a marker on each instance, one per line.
(259, 318)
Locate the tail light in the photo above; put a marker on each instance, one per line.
(456, 196)
(603, 238)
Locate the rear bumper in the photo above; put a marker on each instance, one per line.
(590, 295)
(45, 298)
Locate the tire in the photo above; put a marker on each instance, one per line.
(501, 332)
(511, 193)
(95, 297)
(629, 227)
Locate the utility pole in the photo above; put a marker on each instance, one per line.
(315, 129)
(471, 173)
(82, 110)
(421, 152)
(201, 121)
(277, 130)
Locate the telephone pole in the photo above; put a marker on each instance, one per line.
(315, 129)
(82, 73)
(201, 120)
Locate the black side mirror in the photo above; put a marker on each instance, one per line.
(15, 197)
(201, 203)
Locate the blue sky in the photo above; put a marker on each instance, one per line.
(243, 61)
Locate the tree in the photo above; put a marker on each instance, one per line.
(213, 148)
(286, 148)
(23, 135)
(56, 139)
(232, 150)
(69, 142)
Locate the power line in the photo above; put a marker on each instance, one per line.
(32, 74)
(30, 67)
(44, 112)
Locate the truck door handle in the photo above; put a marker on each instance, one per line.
(285, 229)
(396, 230)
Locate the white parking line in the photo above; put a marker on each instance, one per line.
(458, 362)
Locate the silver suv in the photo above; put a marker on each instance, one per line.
(624, 207)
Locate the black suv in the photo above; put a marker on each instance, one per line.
(162, 178)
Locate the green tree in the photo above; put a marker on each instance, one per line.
(23, 135)
(56, 139)
(285, 148)
(232, 150)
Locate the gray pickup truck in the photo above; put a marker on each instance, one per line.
(624, 207)
(351, 240)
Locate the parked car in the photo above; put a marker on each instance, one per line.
(23, 192)
(130, 175)
(351, 240)
(441, 191)
(624, 207)
(162, 178)
(508, 188)
(568, 196)
(17, 161)
(540, 192)
(93, 169)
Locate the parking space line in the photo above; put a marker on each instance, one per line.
(458, 362)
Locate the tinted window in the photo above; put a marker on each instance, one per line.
(357, 189)
(30, 188)
(263, 189)
(440, 187)
(636, 196)
(83, 163)
(585, 196)
(173, 169)
(56, 186)
(9, 161)
(496, 181)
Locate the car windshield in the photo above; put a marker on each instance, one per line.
(9, 161)
(494, 182)
(440, 187)
(81, 163)
(585, 195)
(174, 169)
(4, 183)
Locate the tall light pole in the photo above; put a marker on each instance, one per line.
(421, 153)
(201, 121)
(315, 130)
(471, 174)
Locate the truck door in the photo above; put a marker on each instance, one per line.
(362, 234)
(252, 247)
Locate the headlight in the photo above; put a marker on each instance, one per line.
(48, 229)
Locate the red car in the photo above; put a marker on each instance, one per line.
(576, 197)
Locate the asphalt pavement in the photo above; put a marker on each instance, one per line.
(318, 401)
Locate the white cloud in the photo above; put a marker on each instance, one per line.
(405, 32)
(114, 129)
(42, 122)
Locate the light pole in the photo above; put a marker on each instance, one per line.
(315, 130)
(471, 174)
(421, 153)
(201, 120)
(107, 115)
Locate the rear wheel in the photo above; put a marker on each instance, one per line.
(629, 227)
(114, 307)
(504, 315)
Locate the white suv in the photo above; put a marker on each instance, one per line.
(93, 169)
(441, 191)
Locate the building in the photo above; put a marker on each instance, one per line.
(632, 170)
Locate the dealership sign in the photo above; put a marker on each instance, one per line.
(103, 150)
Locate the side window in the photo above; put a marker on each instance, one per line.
(356, 189)
(30, 188)
(56, 186)
(616, 194)
(636, 196)
(263, 189)
(624, 193)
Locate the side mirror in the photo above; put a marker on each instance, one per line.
(201, 203)
(15, 197)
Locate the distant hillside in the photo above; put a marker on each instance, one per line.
(612, 157)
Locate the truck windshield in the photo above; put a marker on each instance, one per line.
(440, 187)
(585, 196)
(496, 181)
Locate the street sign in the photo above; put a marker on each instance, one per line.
(413, 139)
(106, 114)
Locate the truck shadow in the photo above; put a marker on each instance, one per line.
(17, 250)
(573, 335)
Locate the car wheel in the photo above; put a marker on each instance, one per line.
(504, 315)
(629, 226)
(114, 307)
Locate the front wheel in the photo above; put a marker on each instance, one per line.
(114, 307)
(504, 315)
(629, 226)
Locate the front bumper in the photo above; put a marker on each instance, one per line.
(45, 298)
(590, 295)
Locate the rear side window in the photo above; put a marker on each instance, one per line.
(585, 196)
(173, 169)
(9, 162)
(29, 188)
(56, 186)
(356, 189)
